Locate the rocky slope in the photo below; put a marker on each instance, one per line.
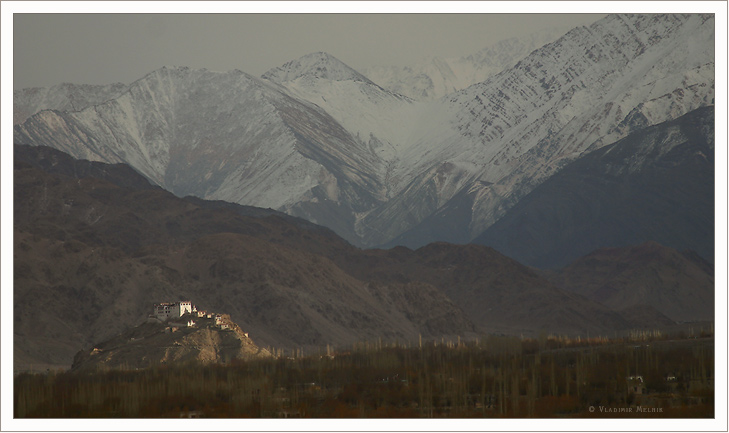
(656, 184)
(156, 343)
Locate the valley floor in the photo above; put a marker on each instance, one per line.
(496, 377)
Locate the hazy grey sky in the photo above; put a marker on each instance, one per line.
(50, 49)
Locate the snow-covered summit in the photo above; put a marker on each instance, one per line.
(316, 65)
(378, 119)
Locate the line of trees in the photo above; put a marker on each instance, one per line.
(493, 377)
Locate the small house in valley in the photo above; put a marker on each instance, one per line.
(636, 385)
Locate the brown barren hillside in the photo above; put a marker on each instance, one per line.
(96, 246)
(497, 293)
(93, 255)
(679, 285)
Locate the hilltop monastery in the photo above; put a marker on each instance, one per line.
(174, 310)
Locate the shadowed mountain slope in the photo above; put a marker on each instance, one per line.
(656, 184)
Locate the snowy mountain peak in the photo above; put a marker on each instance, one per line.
(317, 65)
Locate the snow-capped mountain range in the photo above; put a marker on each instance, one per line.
(319, 140)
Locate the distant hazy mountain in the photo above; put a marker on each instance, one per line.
(316, 139)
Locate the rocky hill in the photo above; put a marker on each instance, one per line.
(155, 343)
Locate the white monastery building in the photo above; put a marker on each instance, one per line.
(166, 310)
